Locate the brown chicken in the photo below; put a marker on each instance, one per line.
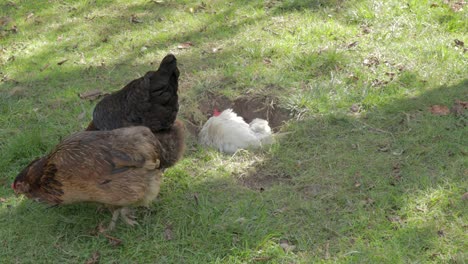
(118, 168)
(151, 101)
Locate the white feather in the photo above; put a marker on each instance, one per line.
(228, 132)
(262, 130)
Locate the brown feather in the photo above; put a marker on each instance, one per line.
(118, 167)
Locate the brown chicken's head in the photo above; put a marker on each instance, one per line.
(27, 177)
(37, 182)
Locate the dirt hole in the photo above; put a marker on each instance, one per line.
(248, 107)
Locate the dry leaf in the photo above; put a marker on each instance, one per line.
(457, 6)
(197, 8)
(215, 50)
(322, 49)
(352, 44)
(396, 171)
(168, 233)
(355, 108)
(390, 74)
(441, 233)
(91, 95)
(440, 110)
(377, 82)
(357, 184)
(62, 62)
(112, 240)
(365, 30)
(4, 21)
(459, 43)
(457, 109)
(12, 4)
(89, 17)
(94, 258)
(462, 104)
(14, 29)
(135, 19)
(267, 61)
(434, 5)
(280, 210)
(262, 259)
(369, 201)
(371, 61)
(2, 200)
(465, 196)
(286, 245)
(100, 229)
(395, 219)
(195, 197)
(353, 77)
(185, 45)
(400, 67)
(31, 15)
(45, 67)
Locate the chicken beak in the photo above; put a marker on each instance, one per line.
(14, 189)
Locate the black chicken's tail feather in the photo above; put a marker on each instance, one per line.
(169, 64)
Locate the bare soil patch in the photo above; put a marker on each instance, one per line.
(248, 107)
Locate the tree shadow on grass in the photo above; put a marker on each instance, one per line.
(40, 88)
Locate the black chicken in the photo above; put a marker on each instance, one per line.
(151, 101)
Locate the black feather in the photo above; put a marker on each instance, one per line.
(151, 101)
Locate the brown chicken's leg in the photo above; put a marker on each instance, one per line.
(128, 217)
(115, 216)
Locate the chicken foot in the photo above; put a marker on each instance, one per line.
(126, 215)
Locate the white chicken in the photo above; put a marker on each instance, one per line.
(228, 132)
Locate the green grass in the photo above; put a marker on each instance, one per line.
(381, 186)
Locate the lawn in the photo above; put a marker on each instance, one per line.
(370, 170)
